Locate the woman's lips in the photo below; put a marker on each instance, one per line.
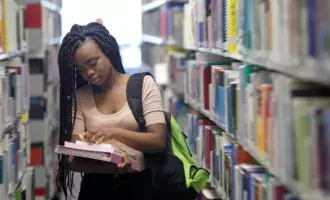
(94, 80)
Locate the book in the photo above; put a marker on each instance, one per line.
(107, 152)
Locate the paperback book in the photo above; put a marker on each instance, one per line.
(112, 152)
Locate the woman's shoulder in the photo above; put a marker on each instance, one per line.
(148, 80)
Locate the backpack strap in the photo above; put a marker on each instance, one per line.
(134, 97)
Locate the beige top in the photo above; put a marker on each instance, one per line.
(88, 117)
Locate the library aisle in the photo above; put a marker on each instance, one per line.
(249, 81)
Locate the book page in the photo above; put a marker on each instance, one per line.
(132, 153)
(118, 147)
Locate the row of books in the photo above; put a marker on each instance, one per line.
(165, 22)
(43, 22)
(235, 174)
(177, 70)
(14, 92)
(152, 54)
(282, 121)
(44, 122)
(43, 27)
(16, 178)
(285, 32)
(13, 38)
(208, 84)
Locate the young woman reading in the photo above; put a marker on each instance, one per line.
(93, 108)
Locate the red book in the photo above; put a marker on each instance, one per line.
(164, 23)
(206, 82)
(33, 15)
(208, 146)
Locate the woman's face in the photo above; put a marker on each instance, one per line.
(91, 63)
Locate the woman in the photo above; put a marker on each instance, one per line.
(93, 105)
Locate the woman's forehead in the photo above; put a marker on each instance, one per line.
(86, 51)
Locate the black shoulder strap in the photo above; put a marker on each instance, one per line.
(134, 97)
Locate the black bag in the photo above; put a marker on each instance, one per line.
(169, 178)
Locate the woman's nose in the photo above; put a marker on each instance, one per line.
(90, 72)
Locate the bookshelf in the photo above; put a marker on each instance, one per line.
(43, 27)
(255, 77)
(16, 176)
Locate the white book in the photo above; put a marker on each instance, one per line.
(303, 31)
(276, 27)
(201, 18)
(263, 29)
(210, 32)
(224, 142)
(211, 97)
(250, 114)
(238, 182)
(200, 151)
(3, 93)
(5, 146)
(11, 16)
(285, 28)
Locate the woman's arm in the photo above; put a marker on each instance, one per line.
(152, 141)
(81, 164)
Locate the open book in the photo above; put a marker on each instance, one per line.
(105, 152)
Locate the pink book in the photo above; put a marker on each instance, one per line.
(111, 152)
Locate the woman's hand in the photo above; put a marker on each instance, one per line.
(101, 135)
(126, 165)
(97, 138)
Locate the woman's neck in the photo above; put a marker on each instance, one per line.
(112, 81)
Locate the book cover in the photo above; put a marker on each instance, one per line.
(108, 152)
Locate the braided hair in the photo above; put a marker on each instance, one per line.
(71, 80)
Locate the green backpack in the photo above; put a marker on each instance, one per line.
(175, 172)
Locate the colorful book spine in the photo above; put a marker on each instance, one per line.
(279, 31)
(274, 121)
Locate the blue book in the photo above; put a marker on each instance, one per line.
(221, 105)
(312, 27)
(247, 171)
(2, 171)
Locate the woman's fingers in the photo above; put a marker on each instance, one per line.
(100, 140)
(87, 136)
(96, 137)
(125, 166)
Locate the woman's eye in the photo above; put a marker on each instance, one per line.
(93, 62)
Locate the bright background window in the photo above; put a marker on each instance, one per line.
(121, 17)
